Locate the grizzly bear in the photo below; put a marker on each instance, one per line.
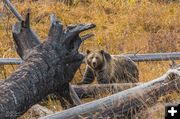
(109, 69)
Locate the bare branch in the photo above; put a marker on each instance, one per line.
(13, 10)
(87, 36)
(56, 29)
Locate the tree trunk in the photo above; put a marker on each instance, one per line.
(26, 40)
(97, 90)
(125, 104)
(46, 69)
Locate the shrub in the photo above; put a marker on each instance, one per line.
(163, 41)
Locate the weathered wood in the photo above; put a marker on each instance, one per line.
(36, 110)
(126, 103)
(27, 39)
(93, 90)
(46, 69)
(9, 61)
(40, 111)
(74, 96)
(154, 56)
(12, 9)
(135, 58)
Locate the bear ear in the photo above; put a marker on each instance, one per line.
(102, 52)
(88, 51)
(106, 55)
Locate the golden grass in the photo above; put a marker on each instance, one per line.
(122, 27)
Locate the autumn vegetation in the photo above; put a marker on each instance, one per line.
(123, 26)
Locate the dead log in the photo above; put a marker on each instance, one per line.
(154, 56)
(27, 39)
(39, 111)
(47, 69)
(12, 9)
(36, 110)
(10, 61)
(125, 104)
(135, 58)
(92, 90)
(98, 90)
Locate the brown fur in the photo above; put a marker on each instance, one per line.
(109, 69)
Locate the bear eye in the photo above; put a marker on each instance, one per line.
(96, 57)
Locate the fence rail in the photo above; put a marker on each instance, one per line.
(7, 61)
(136, 58)
(155, 56)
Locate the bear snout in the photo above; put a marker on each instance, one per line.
(94, 64)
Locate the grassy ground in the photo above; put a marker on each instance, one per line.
(122, 27)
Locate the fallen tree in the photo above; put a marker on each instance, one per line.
(126, 103)
(46, 69)
(26, 40)
(153, 56)
(10, 61)
(135, 57)
(93, 90)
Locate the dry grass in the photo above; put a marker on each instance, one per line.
(122, 27)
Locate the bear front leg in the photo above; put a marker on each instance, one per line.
(88, 76)
(103, 80)
(102, 77)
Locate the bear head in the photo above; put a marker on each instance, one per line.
(97, 60)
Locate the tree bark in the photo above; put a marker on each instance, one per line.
(25, 41)
(46, 69)
(125, 104)
(92, 90)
